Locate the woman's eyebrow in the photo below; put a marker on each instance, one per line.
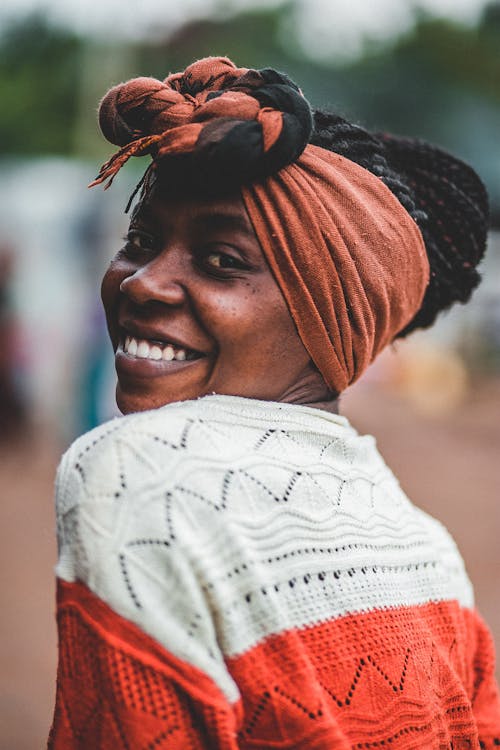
(222, 220)
(143, 215)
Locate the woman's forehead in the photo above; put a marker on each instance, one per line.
(226, 212)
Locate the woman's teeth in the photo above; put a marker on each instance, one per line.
(145, 350)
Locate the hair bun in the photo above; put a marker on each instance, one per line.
(453, 204)
(125, 111)
(212, 124)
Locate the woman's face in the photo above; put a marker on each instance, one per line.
(192, 309)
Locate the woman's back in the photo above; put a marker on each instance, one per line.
(259, 564)
(242, 570)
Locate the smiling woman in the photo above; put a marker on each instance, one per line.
(238, 568)
(228, 326)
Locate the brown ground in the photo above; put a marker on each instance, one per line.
(448, 464)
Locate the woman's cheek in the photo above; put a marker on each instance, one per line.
(110, 295)
(113, 277)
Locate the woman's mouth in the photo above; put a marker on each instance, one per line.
(153, 371)
(157, 351)
(139, 359)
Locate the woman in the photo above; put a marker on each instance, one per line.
(237, 567)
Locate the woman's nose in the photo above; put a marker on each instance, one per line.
(158, 281)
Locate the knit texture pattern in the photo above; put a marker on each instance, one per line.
(241, 574)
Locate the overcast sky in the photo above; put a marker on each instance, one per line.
(324, 24)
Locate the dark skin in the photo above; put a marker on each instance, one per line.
(192, 287)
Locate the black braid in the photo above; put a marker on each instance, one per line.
(442, 194)
(336, 134)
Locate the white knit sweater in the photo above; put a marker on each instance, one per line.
(212, 524)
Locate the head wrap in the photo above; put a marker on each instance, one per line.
(233, 124)
(348, 258)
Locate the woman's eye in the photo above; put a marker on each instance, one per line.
(139, 241)
(219, 260)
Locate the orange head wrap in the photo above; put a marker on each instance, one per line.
(234, 124)
(348, 258)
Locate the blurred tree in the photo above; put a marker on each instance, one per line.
(39, 82)
(490, 21)
(251, 38)
(464, 56)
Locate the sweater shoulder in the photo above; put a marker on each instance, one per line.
(129, 452)
(208, 435)
(199, 467)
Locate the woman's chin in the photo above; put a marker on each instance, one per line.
(130, 402)
(144, 384)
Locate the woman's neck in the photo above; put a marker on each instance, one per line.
(312, 391)
(331, 406)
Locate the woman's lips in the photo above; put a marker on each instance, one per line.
(146, 357)
(157, 350)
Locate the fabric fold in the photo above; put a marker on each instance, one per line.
(348, 258)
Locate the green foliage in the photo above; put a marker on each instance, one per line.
(39, 84)
(249, 38)
(462, 56)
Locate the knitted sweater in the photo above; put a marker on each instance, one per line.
(244, 574)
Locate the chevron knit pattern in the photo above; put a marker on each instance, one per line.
(242, 574)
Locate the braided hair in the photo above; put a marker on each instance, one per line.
(442, 194)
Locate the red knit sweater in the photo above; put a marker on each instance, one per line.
(244, 575)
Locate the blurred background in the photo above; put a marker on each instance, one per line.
(420, 67)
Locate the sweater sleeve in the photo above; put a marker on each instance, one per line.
(117, 687)
(139, 664)
(485, 697)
